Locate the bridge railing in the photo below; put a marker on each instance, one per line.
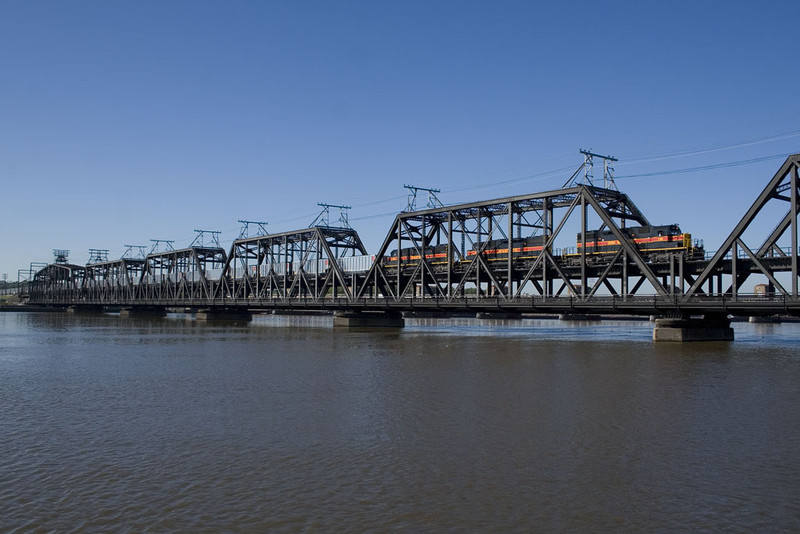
(742, 254)
(611, 304)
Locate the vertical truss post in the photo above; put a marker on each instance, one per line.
(510, 240)
(625, 274)
(672, 274)
(398, 257)
(794, 183)
(583, 244)
(450, 254)
(479, 251)
(423, 255)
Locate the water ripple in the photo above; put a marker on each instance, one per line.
(163, 426)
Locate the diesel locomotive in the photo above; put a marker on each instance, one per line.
(654, 243)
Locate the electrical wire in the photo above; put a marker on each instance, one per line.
(661, 157)
(724, 165)
(530, 177)
(554, 172)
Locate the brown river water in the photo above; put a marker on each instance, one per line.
(288, 425)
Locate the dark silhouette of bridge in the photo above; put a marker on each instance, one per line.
(573, 250)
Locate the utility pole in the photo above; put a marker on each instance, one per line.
(608, 169)
(97, 255)
(157, 244)
(61, 256)
(129, 251)
(201, 238)
(262, 228)
(433, 200)
(323, 219)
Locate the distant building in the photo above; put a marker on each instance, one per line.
(763, 290)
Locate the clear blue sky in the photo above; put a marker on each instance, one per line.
(126, 121)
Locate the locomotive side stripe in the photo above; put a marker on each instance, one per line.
(642, 240)
(505, 250)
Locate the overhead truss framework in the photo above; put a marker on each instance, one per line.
(448, 254)
(58, 283)
(309, 263)
(191, 273)
(452, 252)
(112, 281)
(736, 261)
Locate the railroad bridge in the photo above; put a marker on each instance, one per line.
(581, 249)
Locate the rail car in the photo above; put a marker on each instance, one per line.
(521, 249)
(435, 255)
(654, 242)
(495, 250)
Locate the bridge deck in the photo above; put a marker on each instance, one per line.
(653, 305)
(580, 249)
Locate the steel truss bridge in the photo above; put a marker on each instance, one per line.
(328, 268)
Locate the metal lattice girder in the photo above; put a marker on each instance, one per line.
(466, 230)
(58, 283)
(786, 179)
(112, 281)
(304, 263)
(626, 243)
(178, 275)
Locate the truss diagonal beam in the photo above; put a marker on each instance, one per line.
(538, 262)
(771, 191)
(760, 266)
(626, 244)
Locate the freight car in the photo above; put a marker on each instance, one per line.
(410, 257)
(521, 249)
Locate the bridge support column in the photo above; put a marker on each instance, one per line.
(764, 319)
(143, 311)
(368, 320)
(576, 317)
(709, 328)
(224, 315)
(498, 315)
(88, 309)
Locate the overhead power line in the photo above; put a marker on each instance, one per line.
(704, 167)
(697, 152)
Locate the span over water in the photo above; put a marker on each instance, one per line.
(581, 249)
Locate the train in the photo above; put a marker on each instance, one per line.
(654, 243)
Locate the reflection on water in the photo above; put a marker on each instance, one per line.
(447, 425)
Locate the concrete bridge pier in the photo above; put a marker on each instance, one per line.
(578, 317)
(86, 309)
(233, 315)
(709, 328)
(388, 319)
(143, 311)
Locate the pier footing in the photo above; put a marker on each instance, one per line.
(86, 310)
(764, 319)
(498, 315)
(142, 312)
(368, 320)
(224, 315)
(683, 330)
(578, 317)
